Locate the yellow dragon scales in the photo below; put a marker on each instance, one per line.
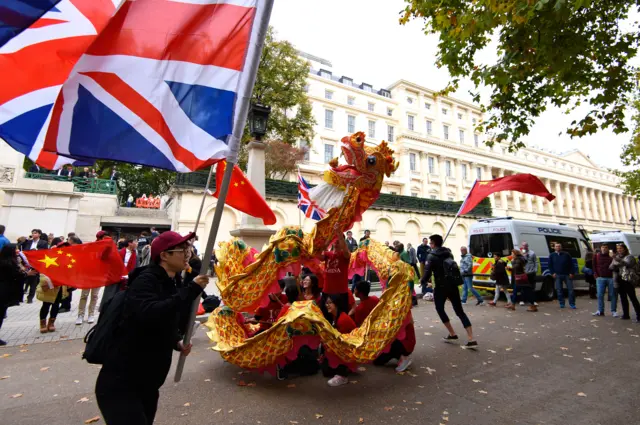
(245, 277)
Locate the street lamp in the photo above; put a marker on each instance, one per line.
(633, 222)
(258, 117)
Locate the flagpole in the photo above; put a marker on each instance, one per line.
(204, 197)
(458, 213)
(247, 82)
(299, 210)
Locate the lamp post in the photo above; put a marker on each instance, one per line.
(633, 222)
(251, 229)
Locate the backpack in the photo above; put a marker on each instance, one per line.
(101, 337)
(452, 276)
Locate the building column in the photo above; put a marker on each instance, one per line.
(559, 199)
(604, 215)
(615, 210)
(460, 183)
(610, 212)
(579, 211)
(623, 208)
(529, 202)
(550, 207)
(503, 195)
(594, 203)
(487, 176)
(516, 200)
(634, 207)
(443, 178)
(585, 203)
(540, 204)
(567, 188)
(627, 207)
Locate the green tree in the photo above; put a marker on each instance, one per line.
(550, 52)
(631, 154)
(137, 179)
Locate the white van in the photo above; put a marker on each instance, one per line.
(611, 238)
(501, 235)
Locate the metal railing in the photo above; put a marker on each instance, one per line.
(80, 184)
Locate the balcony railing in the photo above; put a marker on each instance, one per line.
(81, 184)
(289, 190)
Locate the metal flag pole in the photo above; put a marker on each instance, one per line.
(299, 210)
(204, 198)
(263, 14)
(458, 213)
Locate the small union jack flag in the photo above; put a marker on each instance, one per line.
(306, 205)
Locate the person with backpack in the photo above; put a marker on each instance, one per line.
(626, 272)
(446, 273)
(137, 356)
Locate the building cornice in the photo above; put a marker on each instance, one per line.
(433, 93)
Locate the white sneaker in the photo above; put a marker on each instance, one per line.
(79, 320)
(403, 364)
(91, 319)
(337, 381)
(535, 303)
(522, 303)
(614, 314)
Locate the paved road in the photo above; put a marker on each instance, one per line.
(552, 367)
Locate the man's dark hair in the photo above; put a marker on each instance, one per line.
(425, 239)
(37, 231)
(292, 292)
(76, 240)
(399, 247)
(363, 287)
(349, 232)
(367, 231)
(71, 234)
(145, 234)
(603, 245)
(436, 240)
(2, 229)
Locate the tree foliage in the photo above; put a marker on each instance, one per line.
(280, 159)
(550, 52)
(631, 154)
(280, 84)
(136, 179)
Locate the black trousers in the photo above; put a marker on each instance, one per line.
(3, 311)
(66, 303)
(441, 294)
(306, 364)
(626, 290)
(31, 284)
(397, 350)
(122, 403)
(528, 294)
(330, 372)
(54, 306)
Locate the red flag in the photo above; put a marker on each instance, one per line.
(525, 183)
(242, 195)
(84, 266)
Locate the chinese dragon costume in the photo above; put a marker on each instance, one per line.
(246, 277)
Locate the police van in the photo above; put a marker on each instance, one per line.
(611, 238)
(501, 235)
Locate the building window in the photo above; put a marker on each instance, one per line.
(445, 130)
(447, 168)
(412, 162)
(476, 141)
(432, 166)
(367, 87)
(328, 118)
(390, 131)
(325, 74)
(427, 105)
(372, 129)
(463, 168)
(328, 153)
(459, 116)
(461, 133)
(393, 193)
(351, 100)
(409, 101)
(389, 112)
(433, 197)
(429, 127)
(351, 123)
(371, 106)
(305, 145)
(328, 94)
(414, 194)
(479, 173)
(410, 119)
(445, 111)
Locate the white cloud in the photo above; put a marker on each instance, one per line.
(363, 40)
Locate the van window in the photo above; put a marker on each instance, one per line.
(568, 244)
(482, 245)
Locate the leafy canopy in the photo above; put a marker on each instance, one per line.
(559, 52)
(631, 154)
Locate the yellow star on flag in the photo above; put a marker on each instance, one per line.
(48, 261)
(69, 255)
(236, 184)
(59, 251)
(242, 182)
(73, 261)
(69, 266)
(484, 183)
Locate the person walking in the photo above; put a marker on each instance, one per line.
(35, 243)
(604, 280)
(466, 270)
(522, 280)
(352, 243)
(136, 364)
(562, 269)
(501, 278)
(51, 297)
(11, 281)
(530, 268)
(414, 259)
(626, 277)
(445, 289)
(422, 252)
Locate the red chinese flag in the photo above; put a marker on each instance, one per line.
(242, 195)
(525, 183)
(84, 266)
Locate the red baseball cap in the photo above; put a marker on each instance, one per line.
(168, 240)
(101, 234)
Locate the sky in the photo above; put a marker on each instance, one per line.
(363, 40)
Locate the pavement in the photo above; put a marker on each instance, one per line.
(551, 367)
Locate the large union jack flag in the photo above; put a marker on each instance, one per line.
(157, 87)
(306, 205)
(40, 42)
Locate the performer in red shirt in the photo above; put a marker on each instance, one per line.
(336, 274)
(344, 324)
(367, 303)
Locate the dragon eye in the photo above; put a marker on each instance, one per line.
(371, 160)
